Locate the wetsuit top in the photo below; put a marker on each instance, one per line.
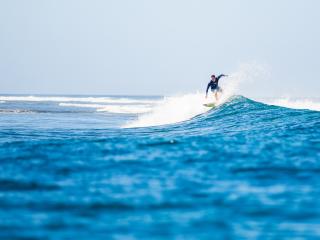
(214, 84)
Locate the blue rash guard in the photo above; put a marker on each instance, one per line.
(214, 84)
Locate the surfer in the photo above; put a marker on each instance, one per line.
(214, 85)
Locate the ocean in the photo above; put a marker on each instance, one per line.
(140, 167)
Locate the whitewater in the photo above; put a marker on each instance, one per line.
(142, 167)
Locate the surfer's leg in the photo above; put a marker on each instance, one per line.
(218, 90)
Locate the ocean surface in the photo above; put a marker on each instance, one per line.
(123, 167)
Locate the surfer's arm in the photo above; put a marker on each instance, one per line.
(209, 84)
(222, 75)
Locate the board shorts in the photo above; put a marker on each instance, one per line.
(217, 89)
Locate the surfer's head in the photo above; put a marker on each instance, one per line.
(213, 76)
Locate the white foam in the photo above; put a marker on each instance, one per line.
(135, 109)
(172, 110)
(77, 99)
(296, 103)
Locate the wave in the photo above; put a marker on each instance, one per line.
(236, 115)
(111, 100)
(296, 104)
(2, 101)
(182, 108)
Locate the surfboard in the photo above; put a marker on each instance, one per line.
(211, 105)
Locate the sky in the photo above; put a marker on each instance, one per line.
(157, 47)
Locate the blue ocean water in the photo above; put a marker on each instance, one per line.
(70, 170)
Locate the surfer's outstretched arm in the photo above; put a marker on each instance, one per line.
(221, 75)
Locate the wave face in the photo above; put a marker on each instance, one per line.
(243, 170)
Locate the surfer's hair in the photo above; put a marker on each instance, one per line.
(213, 76)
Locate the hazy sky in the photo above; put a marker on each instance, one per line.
(157, 46)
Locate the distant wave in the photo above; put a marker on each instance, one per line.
(2, 101)
(125, 109)
(77, 99)
(82, 105)
(297, 103)
(17, 111)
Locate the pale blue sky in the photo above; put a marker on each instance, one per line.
(156, 46)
